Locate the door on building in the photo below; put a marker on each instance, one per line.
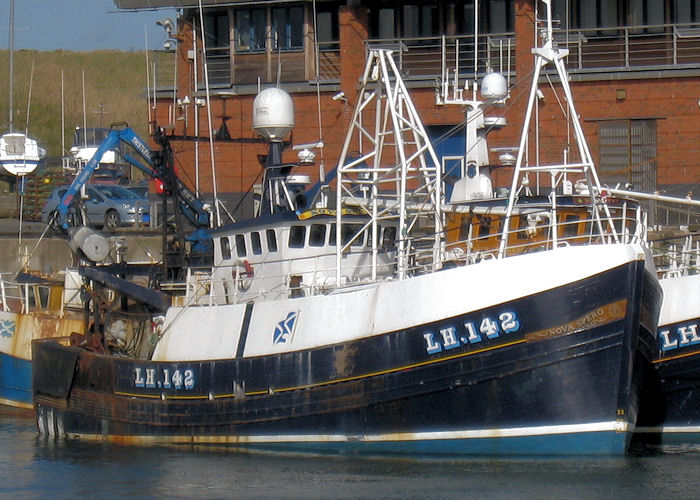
(449, 145)
(628, 154)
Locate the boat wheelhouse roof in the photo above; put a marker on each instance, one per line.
(269, 221)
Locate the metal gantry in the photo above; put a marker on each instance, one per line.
(550, 53)
(389, 170)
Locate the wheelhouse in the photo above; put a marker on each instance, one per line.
(294, 255)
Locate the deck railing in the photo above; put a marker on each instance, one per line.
(619, 48)
(631, 47)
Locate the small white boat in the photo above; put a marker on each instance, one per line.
(19, 153)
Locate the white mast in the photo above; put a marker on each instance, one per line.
(12, 57)
(404, 191)
(550, 53)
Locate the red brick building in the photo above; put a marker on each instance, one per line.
(634, 67)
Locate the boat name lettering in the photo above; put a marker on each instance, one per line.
(451, 337)
(679, 336)
(164, 378)
(600, 316)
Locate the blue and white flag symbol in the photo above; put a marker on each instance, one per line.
(284, 329)
(7, 328)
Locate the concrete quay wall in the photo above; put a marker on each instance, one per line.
(53, 254)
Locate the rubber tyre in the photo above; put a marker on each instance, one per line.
(112, 220)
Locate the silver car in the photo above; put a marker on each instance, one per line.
(107, 206)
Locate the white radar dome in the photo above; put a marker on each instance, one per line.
(494, 87)
(273, 114)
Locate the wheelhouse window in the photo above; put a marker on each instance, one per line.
(389, 238)
(240, 246)
(317, 235)
(297, 235)
(255, 243)
(349, 233)
(271, 240)
(571, 223)
(225, 247)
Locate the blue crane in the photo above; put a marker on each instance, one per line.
(159, 166)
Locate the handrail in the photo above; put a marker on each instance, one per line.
(422, 57)
(631, 47)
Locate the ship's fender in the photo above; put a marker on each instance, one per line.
(53, 368)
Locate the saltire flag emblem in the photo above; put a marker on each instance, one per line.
(284, 329)
(7, 328)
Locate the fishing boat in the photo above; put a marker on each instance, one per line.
(85, 144)
(672, 412)
(354, 328)
(32, 306)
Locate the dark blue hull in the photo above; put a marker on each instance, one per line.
(672, 412)
(15, 381)
(563, 378)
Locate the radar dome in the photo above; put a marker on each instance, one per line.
(494, 87)
(273, 114)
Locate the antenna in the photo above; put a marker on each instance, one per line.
(211, 130)
(12, 56)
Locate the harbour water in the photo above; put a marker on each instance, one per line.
(34, 467)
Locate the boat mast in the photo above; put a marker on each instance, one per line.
(550, 53)
(397, 178)
(12, 57)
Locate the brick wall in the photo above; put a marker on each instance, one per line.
(673, 102)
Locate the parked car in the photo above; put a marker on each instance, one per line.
(107, 206)
(140, 188)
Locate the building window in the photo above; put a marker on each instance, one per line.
(287, 30)
(251, 25)
(216, 29)
(392, 18)
(285, 25)
(686, 11)
(420, 20)
(581, 14)
(385, 24)
(327, 33)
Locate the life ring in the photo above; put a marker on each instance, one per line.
(244, 278)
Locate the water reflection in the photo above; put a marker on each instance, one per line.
(35, 467)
